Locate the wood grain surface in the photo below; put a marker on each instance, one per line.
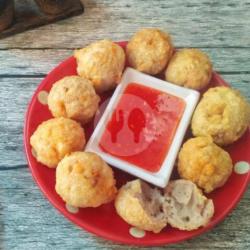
(220, 28)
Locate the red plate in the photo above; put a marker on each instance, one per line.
(103, 221)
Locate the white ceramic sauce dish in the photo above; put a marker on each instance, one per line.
(162, 176)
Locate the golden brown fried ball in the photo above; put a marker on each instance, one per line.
(55, 138)
(140, 206)
(185, 206)
(102, 63)
(204, 163)
(149, 50)
(73, 97)
(190, 68)
(223, 113)
(83, 179)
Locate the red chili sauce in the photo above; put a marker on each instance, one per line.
(142, 126)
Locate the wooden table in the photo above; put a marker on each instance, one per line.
(220, 28)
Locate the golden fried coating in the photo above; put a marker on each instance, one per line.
(223, 113)
(190, 68)
(73, 97)
(186, 207)
(149, 50)
(102, 63)
(140, 206)
(83, 179)
(55, 138)
(204, 163)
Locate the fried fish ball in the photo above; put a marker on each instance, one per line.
(186, 207)
(204, 163)
(55, 138)
(190, 68)
(73, 97)
(102, 63)
(149, 50)
(83, 179)
(140, 206)
(223, 113)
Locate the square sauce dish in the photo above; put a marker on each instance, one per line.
(143, 126)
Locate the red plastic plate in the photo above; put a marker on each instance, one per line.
(103, 221)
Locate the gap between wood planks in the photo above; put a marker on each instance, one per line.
(5, 168)
(177, 47)
(44, 75)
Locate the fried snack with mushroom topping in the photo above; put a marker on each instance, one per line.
(189, 68)
(185, 206)
(223, 113)
(141, 206)
(73, 97)
(55, 138)
(149, 50)
(204, 163)
(102, 63)
(83, 179)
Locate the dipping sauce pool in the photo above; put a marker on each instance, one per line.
(142, 126)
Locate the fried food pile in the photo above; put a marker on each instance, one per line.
(83, 179)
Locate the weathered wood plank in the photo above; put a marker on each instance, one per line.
(30, 221)
(37, 62)
(15, 94)
(198, 23)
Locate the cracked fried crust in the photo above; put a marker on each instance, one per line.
(204, 163)
(55, 138)
(149, 50)
(101, 62)
(83, 179)
(223, 113)
(73, 97)
(190, 68)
